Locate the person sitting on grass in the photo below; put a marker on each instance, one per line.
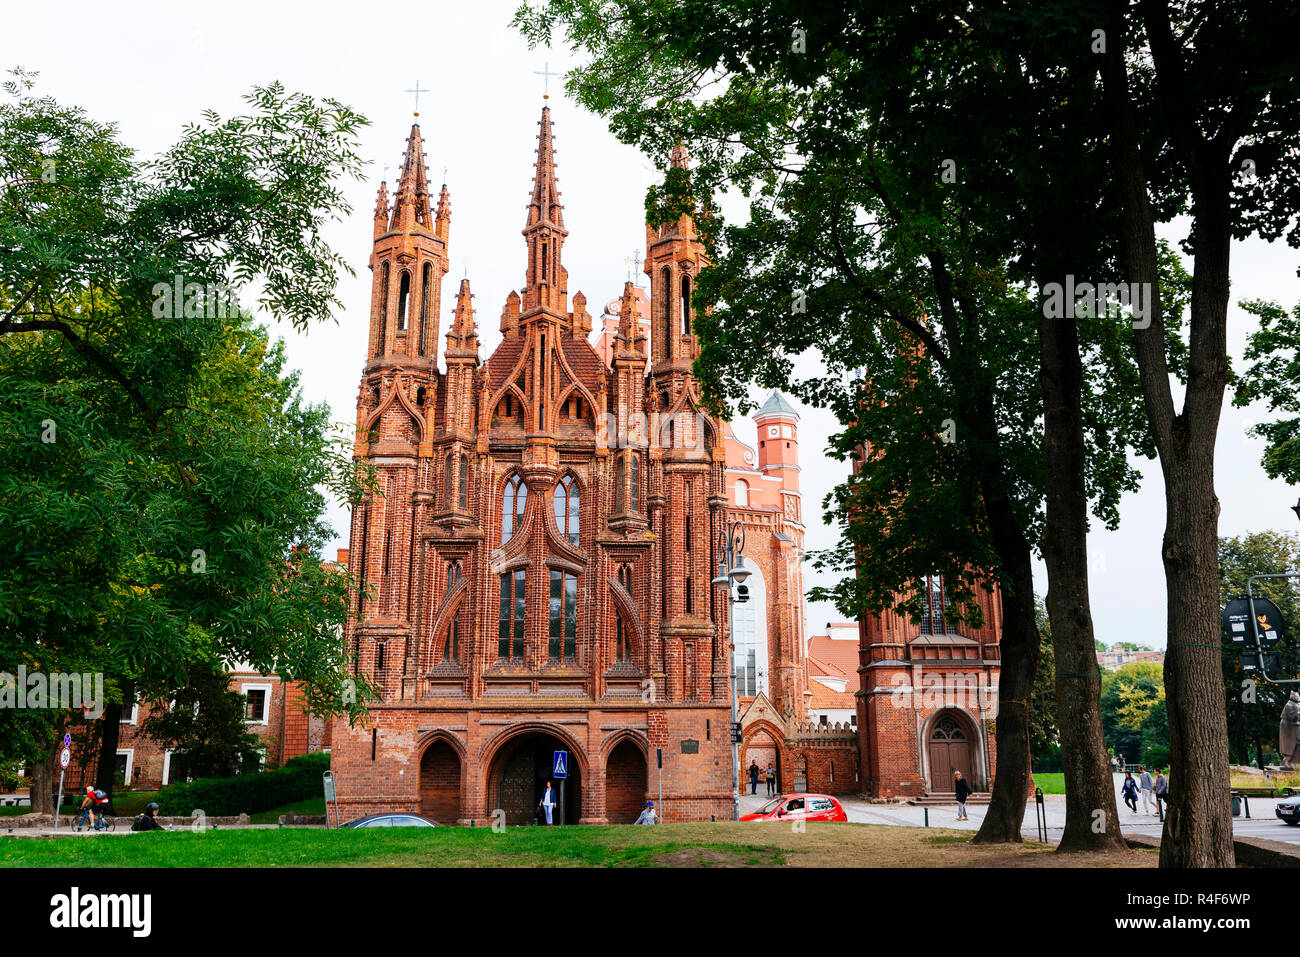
(148, 821)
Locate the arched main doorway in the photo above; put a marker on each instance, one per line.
(625, 783)
(949, 749)
(440, 783)
(760, 748)
(519, 774)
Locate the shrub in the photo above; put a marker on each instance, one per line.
(299, 779)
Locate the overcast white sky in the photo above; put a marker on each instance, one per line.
(153, 66)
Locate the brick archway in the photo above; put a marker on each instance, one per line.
(762, 743)
(441, 775)
(951, 744)
(517, 763)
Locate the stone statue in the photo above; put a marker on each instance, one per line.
(1288, 730)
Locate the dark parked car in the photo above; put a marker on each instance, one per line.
(391, 820)
(1288, 809)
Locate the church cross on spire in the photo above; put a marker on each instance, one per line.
(417, 91)
(546, 73)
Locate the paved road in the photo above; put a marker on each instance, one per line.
(1262, 822)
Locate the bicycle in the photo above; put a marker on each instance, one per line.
(82, 821)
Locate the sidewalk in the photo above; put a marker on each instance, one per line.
(904, 815)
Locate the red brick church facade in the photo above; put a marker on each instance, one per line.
(541, 548)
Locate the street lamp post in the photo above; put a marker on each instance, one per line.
(732, 569)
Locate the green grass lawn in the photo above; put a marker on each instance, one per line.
(671, 845)
(1052, 782)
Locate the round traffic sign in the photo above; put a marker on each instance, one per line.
(67, 740)
(65, 758)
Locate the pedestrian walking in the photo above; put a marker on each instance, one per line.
(1147, 787)
(547, 803)
(771, 780)
(1162, 789)
(1129, 791)
(963, 792)
(647, 814)
(753, 777)
(1114, 764)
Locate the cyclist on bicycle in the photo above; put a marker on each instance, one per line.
(96, 802)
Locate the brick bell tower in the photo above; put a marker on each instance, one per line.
(395, 406)
(688, 502)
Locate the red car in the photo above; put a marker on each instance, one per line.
(799, 807)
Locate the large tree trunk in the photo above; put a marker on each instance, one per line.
(1020, 648)
(1091, 818)
(110, 727)
(1198, 827)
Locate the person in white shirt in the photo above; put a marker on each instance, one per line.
(647, 814)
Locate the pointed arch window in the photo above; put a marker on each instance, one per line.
(567, 508)
(666, 287)
(622, 651)
(383, 313)
(933, 606)
(426, 281)
(453, 574)
(564, 616)
(451, 649)
(686, 305)
(403, 297)
(464, 482)
(510, 631)
(512, 507)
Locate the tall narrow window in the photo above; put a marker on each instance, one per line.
(447, 478)
(621, 650)
(564, 616)
(451, 650)
(403, 297)
(688, 534)
(618, 487)
(425, 282)
(636, 484)
(464, 481)
(690, 597)
(512, 508)
(453, 574)
(666, 286)
(686, 305)
(510, 632)
(566, 508)
(383, 314)
(544, 273)
(933, 606)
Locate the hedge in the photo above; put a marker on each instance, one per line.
(299, 779)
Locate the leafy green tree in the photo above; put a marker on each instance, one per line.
(1128, 696)
(841, 124)
(160, 473)
(1203, 120)
(1254, 705)
(204, 725)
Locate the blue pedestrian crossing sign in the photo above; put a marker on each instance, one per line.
(560, 769)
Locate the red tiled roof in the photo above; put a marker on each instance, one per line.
(818, 667)
(842, 654)
(823, 698)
